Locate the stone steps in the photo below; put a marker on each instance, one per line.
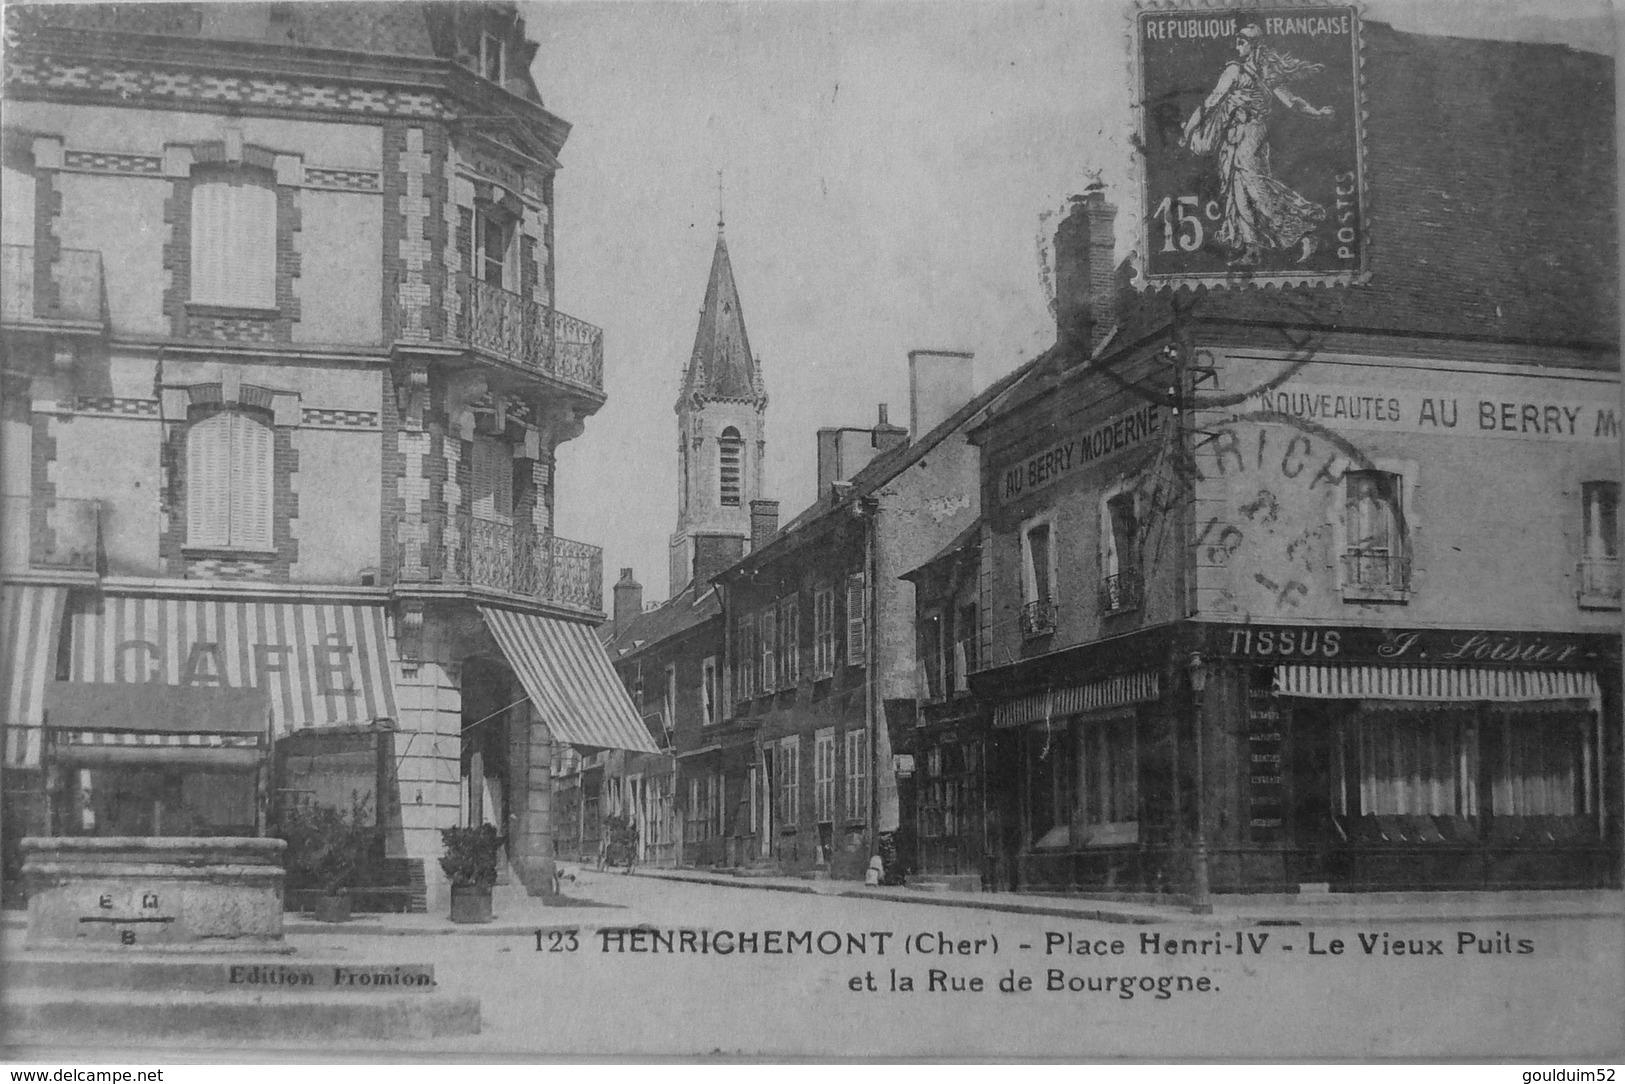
(41, 1015)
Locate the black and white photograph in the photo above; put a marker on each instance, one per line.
(811, 530)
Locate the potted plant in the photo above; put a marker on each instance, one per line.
(327, 851)
(470, 863)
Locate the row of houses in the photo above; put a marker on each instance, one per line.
(1228, 590)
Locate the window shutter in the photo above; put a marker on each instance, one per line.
(254, 235)
(208, 482)
(856, 642)
(233, 244)
(251, 483)
(210, 225)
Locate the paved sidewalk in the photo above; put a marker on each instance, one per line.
(1227, 909)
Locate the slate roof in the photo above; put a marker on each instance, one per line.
(721, 366)
(1491, 200)
(671, 618)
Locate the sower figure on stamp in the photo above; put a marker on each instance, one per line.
(1259, 212)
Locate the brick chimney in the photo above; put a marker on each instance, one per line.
(764, 522)
(887, 435)
(628, 600)
(939, 383)
(1086, 272)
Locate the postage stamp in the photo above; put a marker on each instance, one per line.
(1251, 145)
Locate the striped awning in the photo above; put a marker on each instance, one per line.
(31, 623)
(568, 676)
(320, 664)
(1113, 692)
(1432, 683)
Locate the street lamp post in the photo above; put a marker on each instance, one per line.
(1200, 899)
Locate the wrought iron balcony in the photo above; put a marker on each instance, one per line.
(58, 533)
(1377, 570)
(72, 299)
(502, 325)
(1038, 618)
(1600, 583)
(515, 558)
(1124, 591)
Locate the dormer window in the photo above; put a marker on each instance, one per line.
(493, 58)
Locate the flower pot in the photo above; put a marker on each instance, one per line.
(332, 908)
(471, 903)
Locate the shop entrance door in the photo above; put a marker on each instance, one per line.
(1309, 788)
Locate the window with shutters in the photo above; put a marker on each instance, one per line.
(857, 776)
(233, 260)
(229, 460)
(1599, 564)
(745, 659)
(857, 641)
(770, 645)
(823, 632)
(824, 775)
(789, 642)
(788, 766)
(493, 480)
(495, 254)
(710, 700)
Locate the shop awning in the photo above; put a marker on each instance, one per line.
(155, 724)
(1113, 692)
(31, 623)
(318, 664)
(569, 678)
(1432, 683)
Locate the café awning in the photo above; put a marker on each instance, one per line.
(31, 624)
(106, 723)
(318, 664)
(569, 679)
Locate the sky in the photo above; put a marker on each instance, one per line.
(888, 168)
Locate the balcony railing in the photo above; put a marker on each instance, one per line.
(1037, 618)
(506, 326)
(74, 296)
(1376, 570)
(1600, 582)
(59, 533)
(516, 559)
(1124, 591)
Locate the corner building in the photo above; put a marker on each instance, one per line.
(283, 385)
(1313, 589)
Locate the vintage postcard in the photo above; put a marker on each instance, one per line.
(1143, 582)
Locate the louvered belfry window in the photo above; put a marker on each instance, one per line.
(730, 445)
(233, 243)
(229, 459)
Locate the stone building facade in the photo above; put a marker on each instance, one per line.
(284, 382)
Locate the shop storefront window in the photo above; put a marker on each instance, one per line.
(1510, 761)
(1109, 777)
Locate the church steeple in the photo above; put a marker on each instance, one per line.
(721, 365)
(721, 434)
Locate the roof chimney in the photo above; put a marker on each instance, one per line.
(939, 383)
(1086, 273)
(886, 435)
(764, 522)
(628, 601)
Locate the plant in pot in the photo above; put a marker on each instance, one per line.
(470, 863)
(328, 851)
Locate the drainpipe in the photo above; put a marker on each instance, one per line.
(868, 509)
